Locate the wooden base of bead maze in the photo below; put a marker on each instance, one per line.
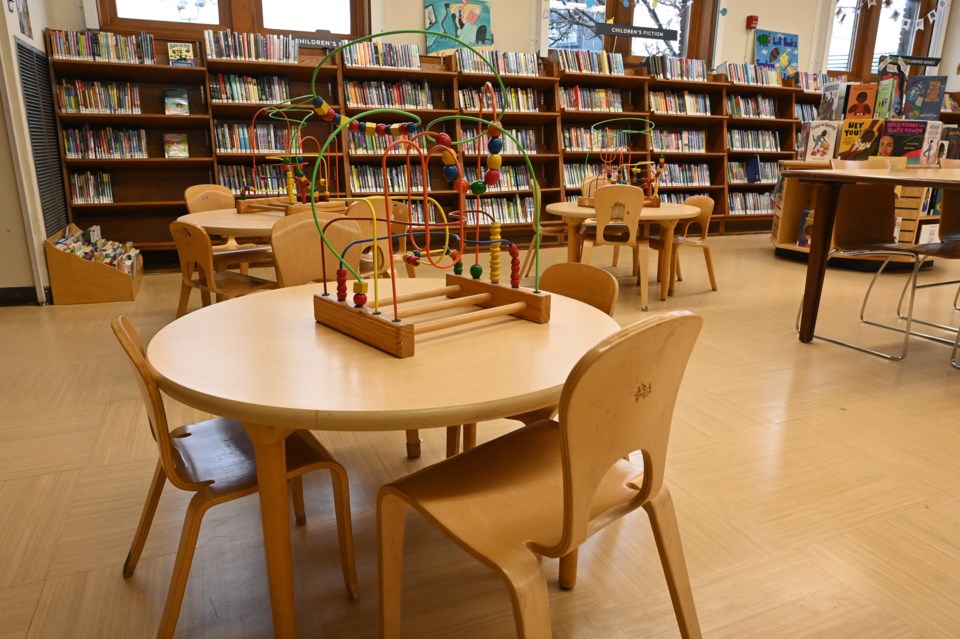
(281, 204)
(398, 337)
(651, 202)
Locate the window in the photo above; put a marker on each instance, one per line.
(297, 15)
(573, 24)
(896, 29)
(845, 19)
(673, 15)
(188, 11)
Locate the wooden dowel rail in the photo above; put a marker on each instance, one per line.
(456, 302)
(422, 295)
(475, 316)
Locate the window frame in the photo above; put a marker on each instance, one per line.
(703, 17)
(242, 16)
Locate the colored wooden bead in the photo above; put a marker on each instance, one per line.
(454, 255)
(451, 172)
(458, 268)
(341, 284)
(381, 129)
(336, 119)
(461, 186)
(494, 162)
(412, 128)
(395, 129)
(513, 250)
(493, 130)
(354, 125)
(495, 145)
(476, 271)
(448, 157)
(477, 187)
(359, 300)
(491, 177)
(370, 128)
(443, 139)
(328, 116)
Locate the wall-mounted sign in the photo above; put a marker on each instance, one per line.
(630, 31)
(312, 42)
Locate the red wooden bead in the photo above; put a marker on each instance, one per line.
(443, 139)
(381, 129)
(360, 300)
(513, 250)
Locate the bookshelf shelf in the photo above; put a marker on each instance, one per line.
(128, 71)
(146, 120)
(380, 73)
(157, 204)
(81, 163)
(761, 123)
(686, 120)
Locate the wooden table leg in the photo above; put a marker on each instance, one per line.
(573, 247)
(824, 216)
(663, 262)
(270, 453)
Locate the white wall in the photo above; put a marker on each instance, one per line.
(806, 18)
(950, 57)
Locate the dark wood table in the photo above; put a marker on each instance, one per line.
(828, 185)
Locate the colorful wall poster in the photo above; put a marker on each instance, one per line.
(468, 20)
(777, 49)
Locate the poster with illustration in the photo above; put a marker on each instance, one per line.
(777, 49)
(23, 17)
(468, 20)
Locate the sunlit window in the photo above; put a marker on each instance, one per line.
(673, 15)
(300, 15)
(189, 11)
(896, 29)
(573, 24)
(845, 19)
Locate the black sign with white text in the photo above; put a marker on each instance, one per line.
(630, 31)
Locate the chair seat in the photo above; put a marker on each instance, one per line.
(946, 250)
(487, 480)
(231, 283)
(243, 253)
(220, 448)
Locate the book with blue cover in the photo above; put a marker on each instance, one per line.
(924, 97)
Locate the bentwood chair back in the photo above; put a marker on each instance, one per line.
(214, 460)
(389, 248)
(618, 208)
(208, 197)
(300, 254)
(197, 270)
(584, 282)
(543, 490)
(684, 238)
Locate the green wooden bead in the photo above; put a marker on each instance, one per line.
(476, 271)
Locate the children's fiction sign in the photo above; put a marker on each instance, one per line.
(630, 31)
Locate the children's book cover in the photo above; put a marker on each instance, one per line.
(175, 145)
(924, 97)
(884, 102)
(859, 139)
(176, 102)
(829, 99)
(180, 54)
(778, 49)
(931, 143)
(861, 99)
(903, 139)
(896, 68)
(803, 140)
(951, 136)
(822, 143)
(806, 227)
(840, 105)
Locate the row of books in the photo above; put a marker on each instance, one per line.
(231, 87)
(506, 210)
(752, 171)
(762, 74)
(575, 174)
(591, 99)
(753, 140)
(689, 141)
(369, 179)
(581, 138)
(82, 96)
(91, 246)
(678, 198)
(921, 98)
(271, 179)
(751, 106)
(682, 102)
(919, 141)
(238, 138)
(102, 46)
(91, 187)
(513, 177)
(748, 203)
(108, 143)
(812, 81)
(806, 112)
(515, 99)
(665, 67)
(403, 94)
(505, 62)
(259, 47)
(685, 175)
(382, 54)
(526, 137)
(578, 61)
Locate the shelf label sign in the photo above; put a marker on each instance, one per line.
(630, 31)
(313, 42)
(920, 61)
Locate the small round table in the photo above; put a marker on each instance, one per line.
(229, 223)
(666, 215)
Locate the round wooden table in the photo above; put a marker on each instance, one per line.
(263, 359)
(666, 215)
(229, 223)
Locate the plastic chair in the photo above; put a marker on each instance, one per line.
(583, 282)
(300, 254)
(197, 269)
(545, 489)
(211, 197)
(214, 459)
(864, 227)
(683, 239)
(618, 209)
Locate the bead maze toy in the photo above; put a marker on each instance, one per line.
(618, 165)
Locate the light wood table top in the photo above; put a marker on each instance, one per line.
(829, 184)
(666, 215)
(263, 359)
(229, 222)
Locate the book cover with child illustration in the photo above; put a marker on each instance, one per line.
(861, 99)
(859, 139)
(821, 141)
